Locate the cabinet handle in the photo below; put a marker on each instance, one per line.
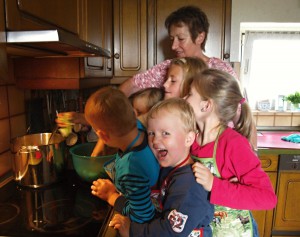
(226, 56)
(109, 65)
(117, 56)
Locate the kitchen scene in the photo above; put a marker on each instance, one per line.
(55, 54)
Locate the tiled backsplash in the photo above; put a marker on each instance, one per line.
(12, 117)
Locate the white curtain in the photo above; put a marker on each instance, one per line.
(270, 67)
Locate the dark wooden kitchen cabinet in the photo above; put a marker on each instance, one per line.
(98, 30)
(42, 15)
(130, 37)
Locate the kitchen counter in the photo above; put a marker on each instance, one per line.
(272, 139)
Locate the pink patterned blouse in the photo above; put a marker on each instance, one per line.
(155, 76)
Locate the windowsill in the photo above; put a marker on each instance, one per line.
(286, 112)
(273, 118)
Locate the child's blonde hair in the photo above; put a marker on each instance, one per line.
(152, 94)
(110, 108)
(191, 66)
(178, 106)
(225, 92)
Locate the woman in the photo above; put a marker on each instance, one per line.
(188, 29)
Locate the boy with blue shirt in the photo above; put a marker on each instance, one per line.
(135, 169)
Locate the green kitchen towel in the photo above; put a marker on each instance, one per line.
(292, 138)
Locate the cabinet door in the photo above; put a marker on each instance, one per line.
(219, 16)
(39, 14)
(98, 30)
(264, 218)
(130, 37)
(287, 214)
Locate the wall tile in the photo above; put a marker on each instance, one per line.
(3, 102)
(3, 63)
(18, 126)
(4, 135)
(16, 100)
(5, 162)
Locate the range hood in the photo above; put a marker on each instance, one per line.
(51, 43)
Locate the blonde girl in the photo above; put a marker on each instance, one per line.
(225, 154)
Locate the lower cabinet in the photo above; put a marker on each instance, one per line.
(264, 219)
(284, 219)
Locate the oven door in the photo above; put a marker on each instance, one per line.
(287, 213)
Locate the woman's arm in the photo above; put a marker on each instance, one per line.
(153, 77)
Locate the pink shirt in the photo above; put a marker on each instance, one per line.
(235, 158)
(155, 76)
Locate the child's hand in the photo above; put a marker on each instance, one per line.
(105, 189)
(203, 176)
(66, 118)
(99, 148)
(234, 180)
(121, 223)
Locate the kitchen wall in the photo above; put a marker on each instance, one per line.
(12, 113)
(259, 11)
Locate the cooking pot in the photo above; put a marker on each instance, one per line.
(35, 162)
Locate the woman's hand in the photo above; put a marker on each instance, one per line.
(203, 176)
(105, 189)
(121, 223)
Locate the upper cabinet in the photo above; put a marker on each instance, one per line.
(98, 30)
(130, 37)
(41, 15)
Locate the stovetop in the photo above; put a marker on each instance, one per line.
(63, 209)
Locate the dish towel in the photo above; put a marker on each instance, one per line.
(295, 138)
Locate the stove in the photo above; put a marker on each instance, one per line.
(63, 209)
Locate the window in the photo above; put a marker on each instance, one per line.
(270, 65)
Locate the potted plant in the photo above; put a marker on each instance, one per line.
(294, 99)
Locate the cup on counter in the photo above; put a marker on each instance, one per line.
(72, 139)
(65, 120)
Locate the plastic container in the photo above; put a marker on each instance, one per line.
(90, 168)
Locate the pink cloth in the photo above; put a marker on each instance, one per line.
(155, 76)
(235, 158)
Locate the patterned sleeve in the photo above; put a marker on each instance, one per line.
(153, 77)
(219, 64)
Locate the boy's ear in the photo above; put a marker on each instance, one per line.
(190, 138)
(103, 135)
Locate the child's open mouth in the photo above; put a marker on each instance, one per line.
(162, 153)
